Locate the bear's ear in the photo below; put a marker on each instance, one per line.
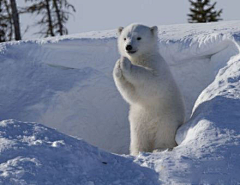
(120, 29)
(154, 30)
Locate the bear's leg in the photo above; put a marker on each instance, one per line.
(165, 136)
(141, 141)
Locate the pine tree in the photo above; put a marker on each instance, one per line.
(202, 11)
(62, 11)
(43, 9)
(4, 22)
(9, 21)
(54, 15)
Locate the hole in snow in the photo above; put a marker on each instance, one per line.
(195, 67)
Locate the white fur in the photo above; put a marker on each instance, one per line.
(146, 83)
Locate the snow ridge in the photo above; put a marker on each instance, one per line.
(208, 151)
(62, 82)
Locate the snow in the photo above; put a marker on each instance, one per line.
(34, 154)
(208, 151)
(62, 85)
(66, 83)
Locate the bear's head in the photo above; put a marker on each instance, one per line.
(137, 40)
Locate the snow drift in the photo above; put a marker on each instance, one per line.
(34, 154)
(66, 83)
(208, 151)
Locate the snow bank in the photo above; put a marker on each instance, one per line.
(208, 151)
(34, 154)
(66, 85)
(66, 82)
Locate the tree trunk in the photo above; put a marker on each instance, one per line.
(15, 18)
(50, 25)
(58, 17)
(10, 34)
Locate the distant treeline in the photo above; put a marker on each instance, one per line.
(52, 16)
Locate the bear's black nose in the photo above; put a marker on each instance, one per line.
(128, 47)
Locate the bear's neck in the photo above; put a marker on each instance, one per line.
(146, 60)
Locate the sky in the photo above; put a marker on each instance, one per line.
(95, 15)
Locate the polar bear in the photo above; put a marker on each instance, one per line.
(145, 82)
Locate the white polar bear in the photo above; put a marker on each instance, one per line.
(144, 80)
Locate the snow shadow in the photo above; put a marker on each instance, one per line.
(195, 62)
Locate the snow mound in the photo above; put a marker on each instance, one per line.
(63, 85)
(66, 82)
(209, 144)
(34, 154)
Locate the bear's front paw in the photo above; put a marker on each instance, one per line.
(117, 70)
(125, 64)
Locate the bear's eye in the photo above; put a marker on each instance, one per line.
(124, 39)
(139, 38)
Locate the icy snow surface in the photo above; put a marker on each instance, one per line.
(66, 83)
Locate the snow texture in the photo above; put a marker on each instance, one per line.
(34, 154)
(63, 81)
(66, 83)
(208, 151)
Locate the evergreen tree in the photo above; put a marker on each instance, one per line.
(9, 21)
(5, 27)
(41, 7)
(202, 11)
(54, 15)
